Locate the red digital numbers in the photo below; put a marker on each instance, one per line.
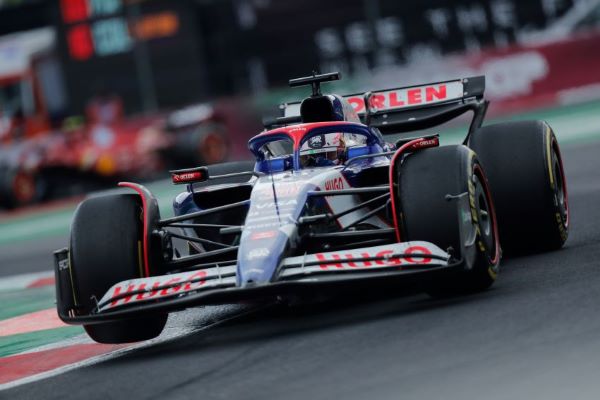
(80, 42)
(74, 10)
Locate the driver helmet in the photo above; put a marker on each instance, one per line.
(327, 149)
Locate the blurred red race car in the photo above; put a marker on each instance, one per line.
(76, 160)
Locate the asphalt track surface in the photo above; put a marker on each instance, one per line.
(535, 334)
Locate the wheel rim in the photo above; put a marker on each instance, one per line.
(483, 213)
(560, 189)
(488, 224)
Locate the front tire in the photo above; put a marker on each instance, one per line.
(425, 180)
(105, 248)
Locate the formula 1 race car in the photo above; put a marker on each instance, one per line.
(329, 205)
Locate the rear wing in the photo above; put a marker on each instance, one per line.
(410, 108)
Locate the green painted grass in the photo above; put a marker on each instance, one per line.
(15, 344)
(24, 301)
(20, 302)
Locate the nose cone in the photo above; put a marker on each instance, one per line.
(270, 227)
(259, 255)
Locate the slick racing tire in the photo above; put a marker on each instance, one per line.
(106, 236)
(426, 178)
(524, 167)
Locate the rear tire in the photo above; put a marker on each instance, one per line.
(425, 179)
(106, 236)
(524, 167)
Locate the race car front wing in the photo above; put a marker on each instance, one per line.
(217, 283)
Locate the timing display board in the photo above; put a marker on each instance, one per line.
(144, 51)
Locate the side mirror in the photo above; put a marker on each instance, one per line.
(190, 175)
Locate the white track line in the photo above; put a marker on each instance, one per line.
(18, 282)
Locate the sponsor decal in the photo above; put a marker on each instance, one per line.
(197, 175)
(258, 253)
(425, 143)
(187, 177)
(297, 128)
(400, 98)
(397, 256)
(287, 190)
(348, 260)
(263, 235)
(155, 288)
(250, 226)
(283, 190)
(258, 219)
(316, 142)
(142, 289)
(334, 184)
(281, 204)
(63, 264)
